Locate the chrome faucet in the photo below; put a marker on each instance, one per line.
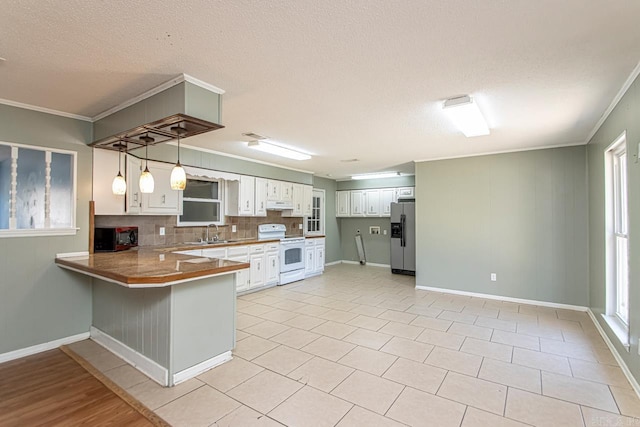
(215, 238)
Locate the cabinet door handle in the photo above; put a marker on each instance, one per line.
(273, 263)
(261, 205)
(135, 197)
(164, 199)
(247, 204)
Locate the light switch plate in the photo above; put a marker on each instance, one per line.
(162, 230)
(234, 228)
(300, 226)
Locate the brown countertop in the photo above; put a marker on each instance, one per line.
(147, 267)
(239, 242)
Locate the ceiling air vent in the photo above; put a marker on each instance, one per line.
(254, 136)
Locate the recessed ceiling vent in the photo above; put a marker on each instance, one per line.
(254, 136)
(349, 160)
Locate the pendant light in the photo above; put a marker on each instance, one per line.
(146, 179)
(178, 175)
(119, 185)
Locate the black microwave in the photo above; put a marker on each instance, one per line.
(112, 239)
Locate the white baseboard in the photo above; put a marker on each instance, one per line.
(616, 355)
(139, 361)
(507, 299)
(333, 263)
(201, 367)
(371, 264)
(39, 348)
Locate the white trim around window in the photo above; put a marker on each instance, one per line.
(45, 195)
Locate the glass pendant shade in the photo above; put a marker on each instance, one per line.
(178, 177)
(146, 181)
(119, 185)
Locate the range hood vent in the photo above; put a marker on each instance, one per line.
(158, 132)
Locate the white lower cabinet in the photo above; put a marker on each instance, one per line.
(314, 257)
(257, 260)
(272, 254)
(240, 254)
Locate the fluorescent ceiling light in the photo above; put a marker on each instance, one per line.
(271, 148)
(376, 175)
(466, 115)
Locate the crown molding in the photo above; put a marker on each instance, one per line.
(625, 87)
(45, 110)
(519, 150)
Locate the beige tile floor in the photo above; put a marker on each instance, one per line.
(359, 346)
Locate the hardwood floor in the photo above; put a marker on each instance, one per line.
(52, 389)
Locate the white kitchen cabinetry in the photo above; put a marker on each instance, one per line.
(133, 197)
(272, 254)
(286, 191)
(215, 253)
(193, 252)
(241, 196)
(163, 200)
(105, 168)
(343, 205)
(258, 270)
(274, 188)
(240, 254)
(387, 196)
(357, 203)
(372, 202)
(307, 200)
(406, 192)
(319, 260)
(314, 257)
(261, 192)
(302, 201)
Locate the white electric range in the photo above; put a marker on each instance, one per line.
(291, 251)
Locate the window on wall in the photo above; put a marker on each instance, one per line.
(315, 223)
(617, 247)
(37, 190)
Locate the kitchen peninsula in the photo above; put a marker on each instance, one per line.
(171, 316)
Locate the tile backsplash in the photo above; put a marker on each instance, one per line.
(149, 227)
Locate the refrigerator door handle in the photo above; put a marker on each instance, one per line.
(403, 220)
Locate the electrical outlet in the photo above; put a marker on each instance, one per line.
(374, 230)
(161, 231)
(234, 228)
(300, 226)
(494, 277)
(384, 232)
(161, 257)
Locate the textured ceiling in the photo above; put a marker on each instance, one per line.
(359, 79)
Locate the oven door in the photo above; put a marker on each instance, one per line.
(291, 256)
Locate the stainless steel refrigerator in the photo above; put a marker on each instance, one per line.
(403, 238)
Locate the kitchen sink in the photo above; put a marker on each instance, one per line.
(203, 243)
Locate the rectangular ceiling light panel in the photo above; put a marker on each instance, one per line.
(277, 150)
(466, 115)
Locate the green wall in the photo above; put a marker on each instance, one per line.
(40, 302)
(377, 248)
(363, 184)
(520, 215)
(332, 251)
(625, 116)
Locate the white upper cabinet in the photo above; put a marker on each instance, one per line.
(343, 205)
(262, 190)
(274, 190)
(372, 202)
(298, 202)
(307, 200)
(163, 200)
(387, 196)
(241, 196)
(286, 191)
(357, 203)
